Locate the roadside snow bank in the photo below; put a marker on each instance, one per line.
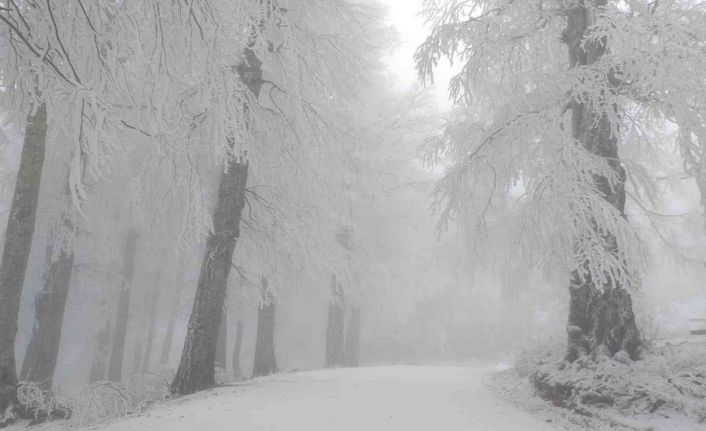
(664, 391)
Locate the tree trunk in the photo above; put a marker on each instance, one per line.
(154, 297)
(49, 306)
(168, 340)
(352, 337)
(197, 365)
(601, 320)
(137, 358)
(237, 372)
(222, 342)
(265, 359)
(18, 243)
(169, 337)
(101, 355)
(115, 369)
(335, 355)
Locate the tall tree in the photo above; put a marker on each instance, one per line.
(115, 367)
(534, 141)
(297, 44)
(237, 372)
(197, 365)
(600, 316)
(173, 314)
(101, 354)
(50, 303)
(265, 362)
(18, 243)
(153, 300)
(137, 356)
(40, 359)
(222, 342)
(352, 339)
(335, 331)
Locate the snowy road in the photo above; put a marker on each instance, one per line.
(384, 398)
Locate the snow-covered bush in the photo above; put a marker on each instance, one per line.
(42, 403)
(104, 400)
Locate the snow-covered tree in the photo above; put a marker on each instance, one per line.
(535, 141)
(286, 138)
(18, 242)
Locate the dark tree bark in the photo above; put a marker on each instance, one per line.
(222, 342)
(101, 354)
(335, 354)
(154, 298)
(352, 337)
(237, 372)
(169, 337)
(115, 369)
(601, 322)
(265, 359)
(18, 243)
(601, 319)
(49, 305)
(197, 365)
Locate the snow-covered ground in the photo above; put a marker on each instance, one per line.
(380, 398)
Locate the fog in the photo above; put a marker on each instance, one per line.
(504, 198)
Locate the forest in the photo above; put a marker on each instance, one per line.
(353, 214)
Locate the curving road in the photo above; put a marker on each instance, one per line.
(362, 399)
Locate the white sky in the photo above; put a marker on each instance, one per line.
(404, 15)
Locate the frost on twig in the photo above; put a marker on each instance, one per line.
(104, 400)
(39, 403)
